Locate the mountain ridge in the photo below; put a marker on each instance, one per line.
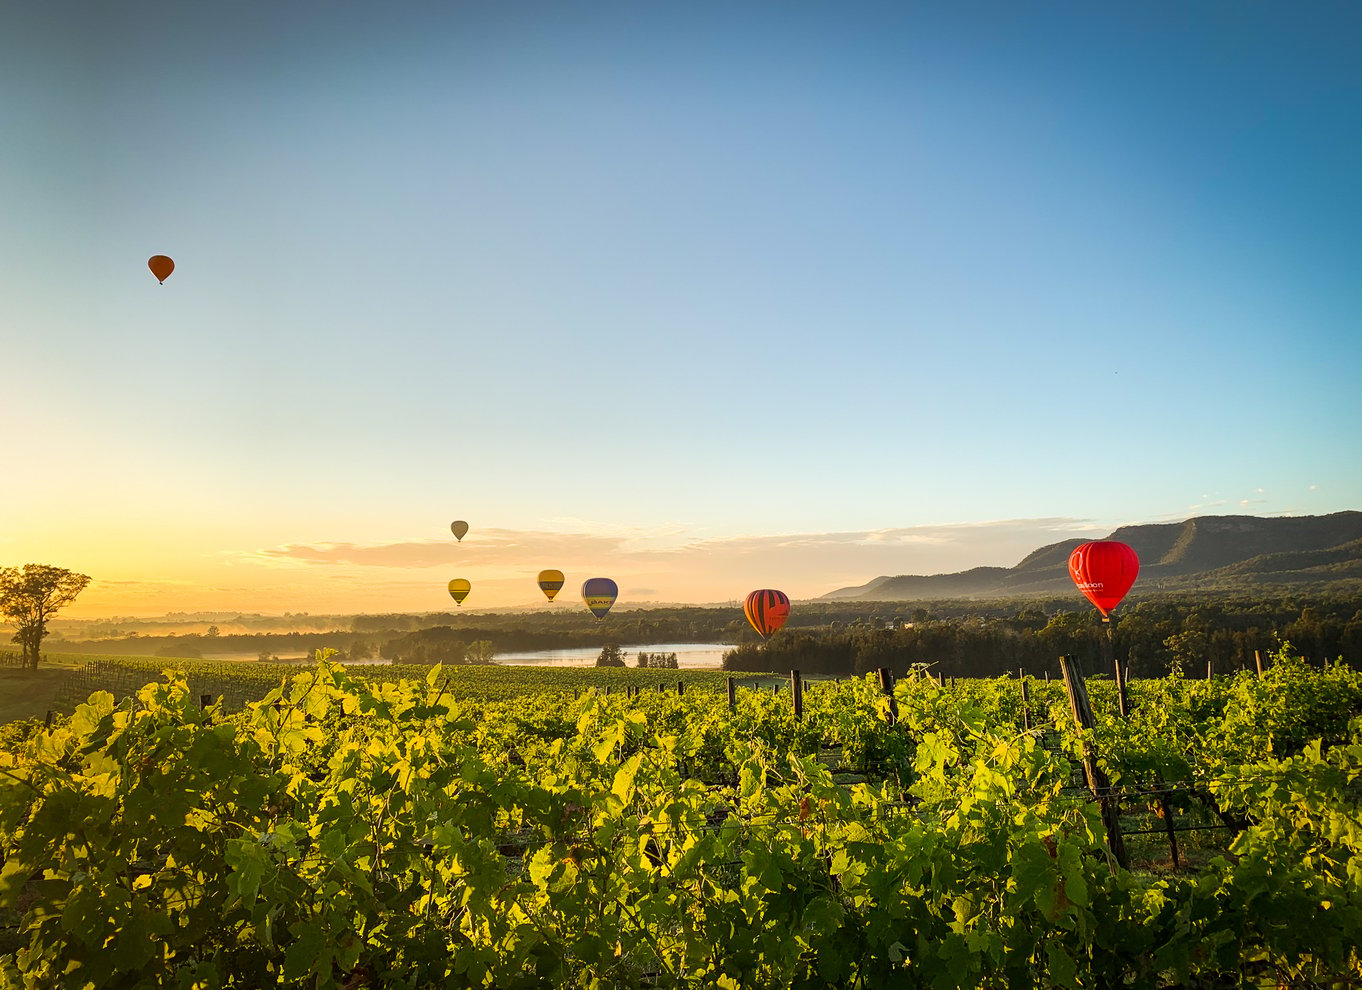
(1244, 552)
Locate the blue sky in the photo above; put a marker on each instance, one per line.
(700, 279)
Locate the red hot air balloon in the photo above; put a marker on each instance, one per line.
(161, 267)
(767, 610)
(1104, 572)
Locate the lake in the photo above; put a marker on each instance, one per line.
(689, 656)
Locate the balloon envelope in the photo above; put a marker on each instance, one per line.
(459, 589)
(1104, 572)
(767, 610)
(599, 594)
(459, 528)
(551, 582)
(160, 266)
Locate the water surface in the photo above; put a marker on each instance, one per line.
(689, 656)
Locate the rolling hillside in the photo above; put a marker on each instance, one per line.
(1208, 552)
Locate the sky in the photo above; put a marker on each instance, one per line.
(702, 296)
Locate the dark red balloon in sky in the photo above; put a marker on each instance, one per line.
(1104, 572)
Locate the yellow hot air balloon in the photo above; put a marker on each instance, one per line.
(551, 582)
(459, 528)
(161, 267)
(459, 589)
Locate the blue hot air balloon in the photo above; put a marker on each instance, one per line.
(599, 594)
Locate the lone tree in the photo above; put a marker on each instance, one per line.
(31, 596)
(611, 656)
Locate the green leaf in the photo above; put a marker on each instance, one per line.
(1075, 885)
(308, 954)
(1032, 869)
(12, 877)
(623, 786)
(248, 862)
(1063, 969)
(135, 946)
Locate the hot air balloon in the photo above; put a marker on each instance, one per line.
(551, 582)
(459, 528)
(599, 594)
(767, 610)
(1104, 572)
(459, 589)
(161, 267)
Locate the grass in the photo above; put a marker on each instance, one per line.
(30, 693)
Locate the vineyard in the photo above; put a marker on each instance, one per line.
(232, 686)
(351, 829)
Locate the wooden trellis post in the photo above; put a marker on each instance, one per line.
(887, 686)
(732, 695)
(1098, 782)
(1109, 656)
(797, 694)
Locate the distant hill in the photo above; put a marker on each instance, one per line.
(1206, 553)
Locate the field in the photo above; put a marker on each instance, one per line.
(28, 693)
(231, 685)
(504, 828)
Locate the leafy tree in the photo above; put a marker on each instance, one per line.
(479, 651)
(1188, 649)
(656, 661)
(611, 656)
(31, 596)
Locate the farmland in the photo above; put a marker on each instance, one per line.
(232, 685)
(447, 830)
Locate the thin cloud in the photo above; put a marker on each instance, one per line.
(660, 564)
(516, 547)
(497, 546)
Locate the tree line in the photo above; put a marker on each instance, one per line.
(1153, 634)
(1153, 638)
